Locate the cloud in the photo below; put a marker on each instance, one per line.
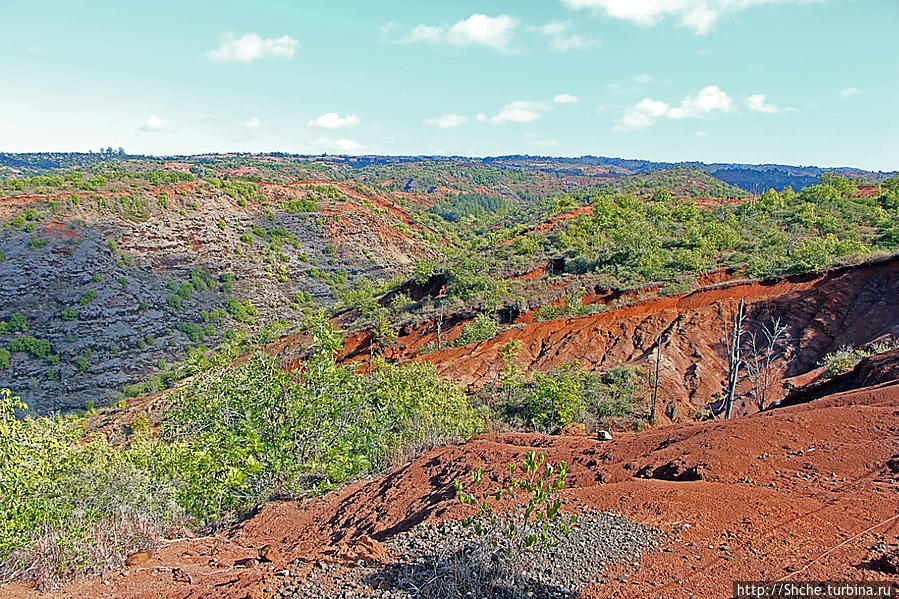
(253, 123)
(252, 46)
(477, 30)
(707, 100)
(481, 117)
(641, 115)
(332, 120)
(339, 145)
(560, 40)
(154, 123)
(698, 15)
(566, 99)
(425, 33)
(495, 32)
(700, 134)
(520, 111)
(759, 103)
(448, 121)
(849, 92)
(644, 78)
(645, 112)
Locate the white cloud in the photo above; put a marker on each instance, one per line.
(520, 111)
(253, 123)
(601, 108)
(708, 99)
(560, 40)
(332, 120)
(495, 32)
(642, 114)
(849, 92)
(425, 33)
(252, 46)
(154, 123)
(481, 117)
(566, 99)
(478, 29)
(645, 112)
(759, 103)
(698, 15)
(700, 134)
(644, 78)
(448, 121)
(339, 145)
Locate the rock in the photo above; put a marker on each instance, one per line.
(179, 575)
(888, 563)
(574, 429)
(269, 553)
(246, 562)
(604, 435)
(138, 558)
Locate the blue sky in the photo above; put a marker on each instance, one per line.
(786, 81)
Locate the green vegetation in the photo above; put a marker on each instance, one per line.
(87, 297)
(16, 323)
(39, 348)
(69, 313)
(232, 438)
(483, 327)
(846, 358)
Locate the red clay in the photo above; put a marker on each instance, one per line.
(802, 492)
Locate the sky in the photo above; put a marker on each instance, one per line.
(805, 82)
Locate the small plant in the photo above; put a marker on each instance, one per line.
(69, 313)
(87, 297)
(520, 516)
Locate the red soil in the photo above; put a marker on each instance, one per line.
(824, 311)
(803, 492)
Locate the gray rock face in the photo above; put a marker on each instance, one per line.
(55, 263)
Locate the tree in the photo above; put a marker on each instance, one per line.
(733, 358)
(765, 357)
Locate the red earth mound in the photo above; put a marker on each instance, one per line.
(823, 311)
(805, 492)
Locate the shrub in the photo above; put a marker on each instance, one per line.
(69, 313)
(4, 358)
(520, 516)
(39, 348)
(87, 297)
(17, 323)
(483, 327)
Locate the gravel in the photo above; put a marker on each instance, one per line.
(446, 560)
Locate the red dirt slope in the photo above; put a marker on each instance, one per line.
(807, 492)
(824, 310)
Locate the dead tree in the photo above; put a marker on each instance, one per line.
(766, 356)
(655, 386)
(734, 359)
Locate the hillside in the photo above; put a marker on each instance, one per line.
(295, 358)
(799, 493)
(121, 271)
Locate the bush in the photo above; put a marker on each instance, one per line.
(87, 297)
(520, 516)
(483, 327)
(17, 323)
(72, 504)
(69, 313)
(39, 348)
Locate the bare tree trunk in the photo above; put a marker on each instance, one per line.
(734, 360)
(655, 387)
